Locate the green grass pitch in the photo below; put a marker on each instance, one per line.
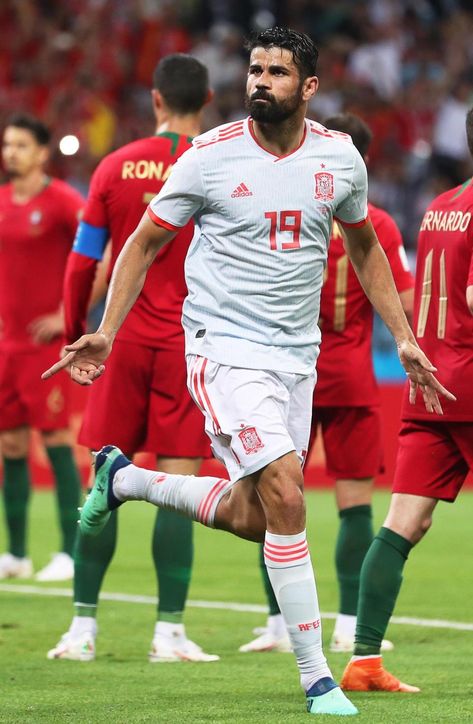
(122, 687)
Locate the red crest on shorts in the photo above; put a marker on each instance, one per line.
(324, 186)
(250, 440)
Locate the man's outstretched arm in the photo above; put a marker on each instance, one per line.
(374, 273)
(86, 356)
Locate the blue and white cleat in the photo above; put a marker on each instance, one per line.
(326, 697)
(101, 501)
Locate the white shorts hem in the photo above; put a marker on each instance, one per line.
(263, 461)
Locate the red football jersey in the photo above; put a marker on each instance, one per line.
(35, 240)
(345, 374)
(121, 188)
(443, 324)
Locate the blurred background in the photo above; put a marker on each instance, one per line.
(405, 66)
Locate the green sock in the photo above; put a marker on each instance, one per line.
(16, 492)
(92, 556)
(68, 489)
(355, 535)
(380, 582)
(270, 597)
(173, 552)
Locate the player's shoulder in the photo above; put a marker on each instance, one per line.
(342, 142)
(141, 157)
(224, 134)
(58, 189)
(134, 149)
(460, 197)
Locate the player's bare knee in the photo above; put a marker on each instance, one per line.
(56, 438)
(14, 443)
(422, 528)
(289, 501)
(410, 516)
(281, 486)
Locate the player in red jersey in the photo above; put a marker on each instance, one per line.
(38, 220)
(434, 456)
(143, 401)
(346, 408)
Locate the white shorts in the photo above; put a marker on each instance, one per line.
(252, 417)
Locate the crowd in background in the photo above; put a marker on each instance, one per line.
(405, 66)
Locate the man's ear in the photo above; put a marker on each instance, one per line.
(310, 87)
(157, 99)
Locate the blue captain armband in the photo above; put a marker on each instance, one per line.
(90, 240)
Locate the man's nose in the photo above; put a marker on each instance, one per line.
(264, 81)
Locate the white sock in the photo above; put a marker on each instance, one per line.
(290, 571)
(276, 626)
(170, 630)
(196, 497)
(345, 626)
(83, 624)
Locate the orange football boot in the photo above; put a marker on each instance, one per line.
(368, 674)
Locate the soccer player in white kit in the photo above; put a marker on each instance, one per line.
(263, 193)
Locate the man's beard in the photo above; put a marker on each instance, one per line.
(273, 111)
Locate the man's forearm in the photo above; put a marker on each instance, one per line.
(375, 276)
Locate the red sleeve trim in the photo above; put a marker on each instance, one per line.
(78, 281)
(160, 222)
(356, 225)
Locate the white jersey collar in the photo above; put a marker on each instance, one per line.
(253, 141)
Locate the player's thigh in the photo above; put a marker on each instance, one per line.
(175, 423)
(13, 411)
(55, 438)
(462, 434)
(117, 404)
(48, 401)
(299, 412)
(245, 414)
(352, 441)
(429, 461)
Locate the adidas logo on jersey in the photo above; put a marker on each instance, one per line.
(241, 190)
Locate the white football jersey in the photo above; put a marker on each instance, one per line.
(254, 269)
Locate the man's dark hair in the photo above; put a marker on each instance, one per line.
(469, 130)
(183, 81)
(37, 128)
(303, 49)
(359, 131)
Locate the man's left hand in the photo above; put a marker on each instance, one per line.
(420, 373)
